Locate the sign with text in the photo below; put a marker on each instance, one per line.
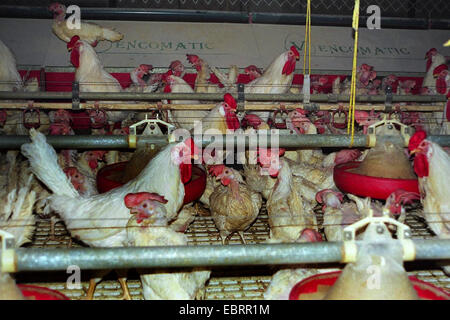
(159, 43)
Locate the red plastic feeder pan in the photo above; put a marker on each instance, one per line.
(310, 285)
(193, 189)
(366, 186)
(40, 293)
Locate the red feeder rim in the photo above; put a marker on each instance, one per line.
(366, 186)
(425, 291)
(40, 293)
(193, 189)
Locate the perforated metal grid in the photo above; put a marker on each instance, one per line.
(234, 284)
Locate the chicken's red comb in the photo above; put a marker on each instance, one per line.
(295, 51)
(134, 199)
(70, 171)
(192, 58)
(72, 42)
(405, 197)
(265, 155)
(432, 50)
(175, 63)
(146, 67)
(252, 66)
(416, 139)
(216, 169)
(302, 111)
(321, 194)
(228, 98)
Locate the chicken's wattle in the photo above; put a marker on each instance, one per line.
(75, 57)
(93, 164)
(441, 85)
(232, 121)
(185, 172)
(289, 67)
(421, 166)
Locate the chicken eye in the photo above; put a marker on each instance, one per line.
(144, 205)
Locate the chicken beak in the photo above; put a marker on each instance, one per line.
(297, 58)
(69, 49)
(414, 151)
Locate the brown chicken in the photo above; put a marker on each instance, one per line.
(234, 207)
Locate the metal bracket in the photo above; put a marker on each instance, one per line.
(306, 90)
(311, 107)
(403, 235)
(152, 128)
(241, 97)
(405, 130)
(388, 101)
(332, 98)
(75, 95)
(8, 254)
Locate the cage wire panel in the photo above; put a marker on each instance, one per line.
(230, 283)
(389, 8)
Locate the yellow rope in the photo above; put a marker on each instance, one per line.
(307, 39)
(351, 108)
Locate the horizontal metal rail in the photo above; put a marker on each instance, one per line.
(43, 259)
(131, 96)
(214, 16)
(254, 106)
(164, 69)
(283, 141)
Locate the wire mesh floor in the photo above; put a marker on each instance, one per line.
(230, 283)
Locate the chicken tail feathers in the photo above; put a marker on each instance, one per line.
(111, 35)
(44, 164)
(16, 217)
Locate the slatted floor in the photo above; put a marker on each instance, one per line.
(232, 283)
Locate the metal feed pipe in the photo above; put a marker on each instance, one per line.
(168, 15)
(44, 259)
(284, 141)
(127, 96)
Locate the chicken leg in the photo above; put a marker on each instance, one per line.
(126, 292)
(91, 289)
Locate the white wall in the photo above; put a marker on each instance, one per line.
(159, 43)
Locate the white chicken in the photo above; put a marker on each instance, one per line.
(10, 79)
(90, 32)
(148, 226)
(432, 166)
(16, 212)
(106, 213)
(288, 216)
(185, 119)
(277, 78)
(91, 75)
(434, 60)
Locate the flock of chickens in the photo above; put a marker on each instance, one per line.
(149, 209)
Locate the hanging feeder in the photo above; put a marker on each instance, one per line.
(371, 186)
(317, 286)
